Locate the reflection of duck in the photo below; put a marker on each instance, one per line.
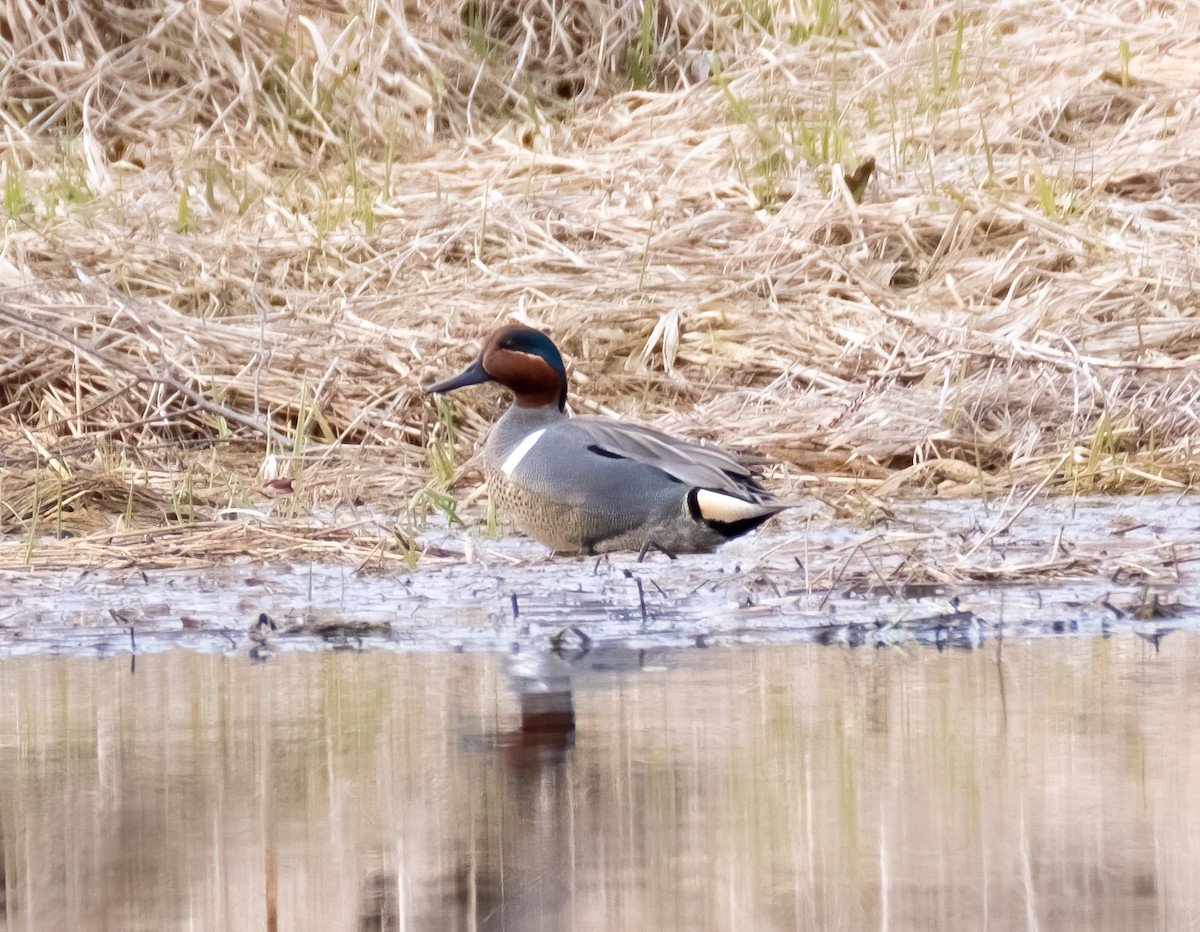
(594, 484)
(547, 728)
(515, 873)
(506, 877)
(530, 803)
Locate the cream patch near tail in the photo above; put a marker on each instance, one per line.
(726, 509)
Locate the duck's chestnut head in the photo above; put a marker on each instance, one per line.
(523, 360)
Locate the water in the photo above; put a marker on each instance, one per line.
(1031, 784)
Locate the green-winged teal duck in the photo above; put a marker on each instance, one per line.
(593, 484)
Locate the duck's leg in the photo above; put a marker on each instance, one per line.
(654, 545)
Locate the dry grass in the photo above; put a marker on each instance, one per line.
(238, 237)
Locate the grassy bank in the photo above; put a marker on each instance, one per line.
(238, 238)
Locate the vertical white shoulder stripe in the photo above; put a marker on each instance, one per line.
(514, 458)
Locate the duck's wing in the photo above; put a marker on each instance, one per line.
(698, 466)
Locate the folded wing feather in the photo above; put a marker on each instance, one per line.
(699, 466)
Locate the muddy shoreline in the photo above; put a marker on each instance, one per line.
(943, 573)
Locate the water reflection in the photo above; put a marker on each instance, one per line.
(1049, 784)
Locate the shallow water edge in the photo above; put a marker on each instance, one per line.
(950, 573)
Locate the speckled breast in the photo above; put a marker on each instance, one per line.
(558, 526)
